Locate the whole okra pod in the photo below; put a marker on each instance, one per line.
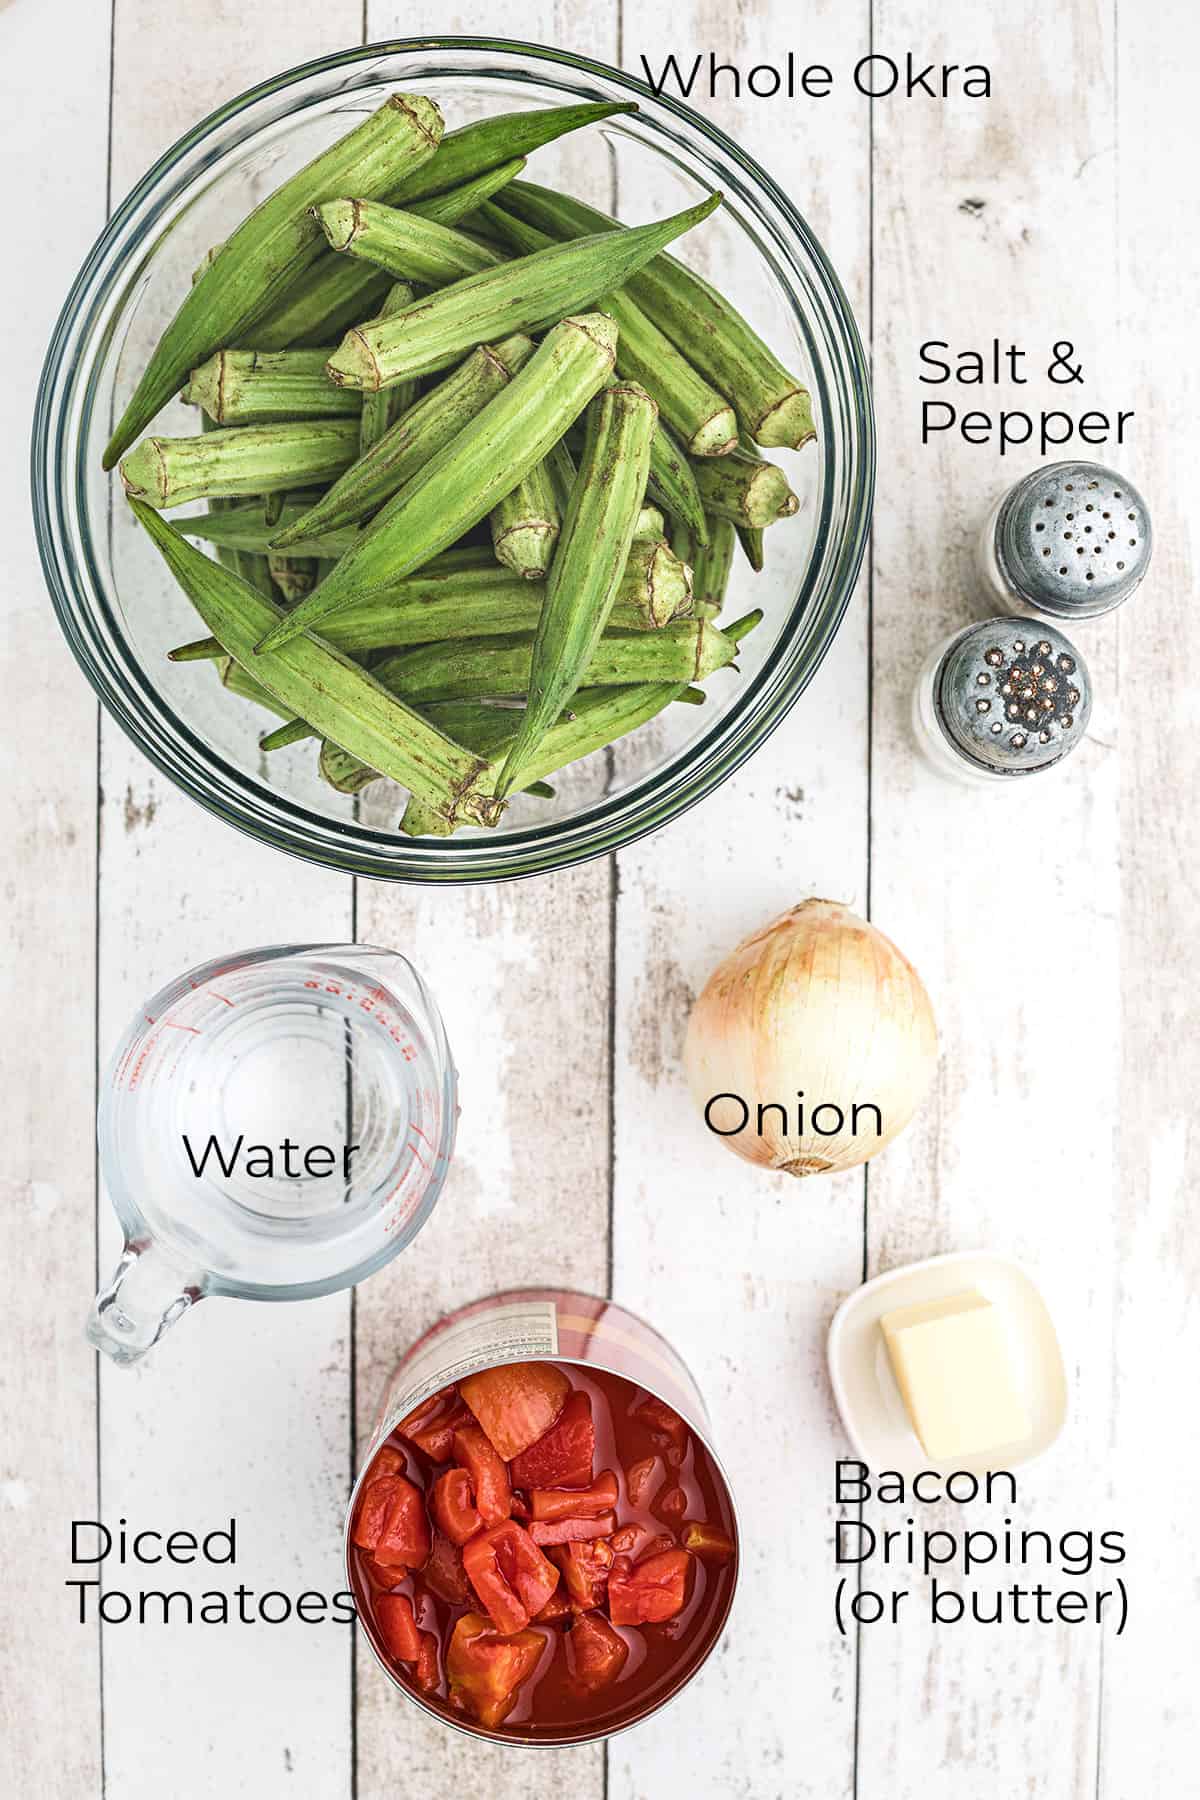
(773, 405)
(244, 460)
(316, 682)
(522, 295)
(409, 247)
(713, 564)
(703, 418)
(463, 481)
(744, 489)
(407, 446)
(497, 668)
(481, 728)
(381, 410)
(472, 149)
(273, 246)
(263, 387)
(525, 525)
(750, 537)
(597, 536)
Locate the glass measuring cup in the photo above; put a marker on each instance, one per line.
(273, 1126)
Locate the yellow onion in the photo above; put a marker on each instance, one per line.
(816, 1015)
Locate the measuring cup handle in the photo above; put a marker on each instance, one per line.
(146, 1295)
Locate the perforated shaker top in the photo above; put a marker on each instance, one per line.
(1073, 539)
(1013, 696)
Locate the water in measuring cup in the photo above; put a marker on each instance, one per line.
(282, 1121)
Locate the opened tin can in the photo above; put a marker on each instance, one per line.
(541, 1542)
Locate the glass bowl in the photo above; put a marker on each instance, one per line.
(121, 611)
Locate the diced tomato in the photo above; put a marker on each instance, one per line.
(654, 1546)
(647, 1592)
(585, 1565)
(671, 1505)
(485, 1669)
(564, 1456)
(383, 1575)
(516, 1403)
(432, 1426)
(596, 1653)
(509, 1574)
(626, 1539)
(427, 1662)
(520, 1508)
(556, 1609)
(398, 1628)
(706, 1541)
(576, 1503)
(444, 1574)
(389, 1461)
(391, 1522)
(489, 1477)
(665, 1426)
(570, 1531)
(453, 1508)
(639, 1477)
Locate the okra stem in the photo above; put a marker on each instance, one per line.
(409, 247)
(744, 489)
(525, 525)
(263, 387)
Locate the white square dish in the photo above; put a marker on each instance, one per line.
(865, 1388)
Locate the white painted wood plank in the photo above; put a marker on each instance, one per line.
(521, 973)
(1148, 1731)
(49, 1668)
(995, 218)
(739, 1269)
(243, 1410)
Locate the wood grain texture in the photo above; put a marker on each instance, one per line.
(1153, 1473)
(739, 1269)
(522, 975)
(244, 1412)
(1006, 902)
(49, 1703)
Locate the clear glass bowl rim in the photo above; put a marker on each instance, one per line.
(97, 640)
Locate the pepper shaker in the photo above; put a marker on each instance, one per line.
(1069, 541)
(997, 701)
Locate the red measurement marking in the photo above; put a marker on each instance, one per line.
(419, 1157)
(222, 998)
(421, 1134)
(149, 1020)
(194, 1029)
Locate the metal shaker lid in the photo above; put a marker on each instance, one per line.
(1073, 539)
(1013, 697)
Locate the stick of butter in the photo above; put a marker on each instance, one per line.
(952, 1365)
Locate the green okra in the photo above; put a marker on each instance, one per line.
(474, 149)
(672, 485)
(460, 484)
(703, 419)
(242, 460)
(409, 247)
(524, 294)
(381, 410)
(481, 728)
(294, 576)
(264, 387)
(650, 524)
(597, 536)
(317, 682)
(597, 718)
(275, 244)
(773, 404)
(744, 489)
(416, 436)
(241, 526)
(710, 579)
(526, 523)
(341, 770)
(750, 537)
(445, 602)
(338, 292)
(294, 732)
(250, 567)
(497, 668)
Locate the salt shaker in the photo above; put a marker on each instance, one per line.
(997, 701)
(1069, 541)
